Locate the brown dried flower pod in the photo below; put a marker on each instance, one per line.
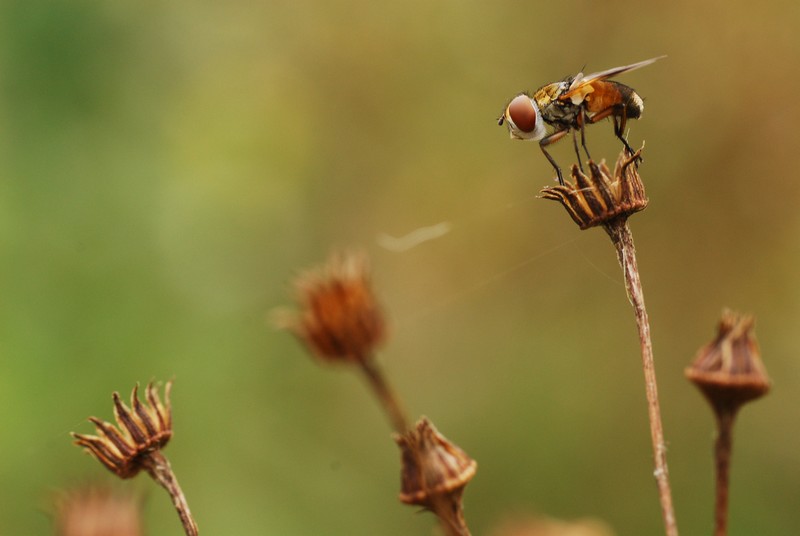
(140, 431)
(136, 443)
(729, 370)
(433, 467)
(601, 197)
(339, 317)
(729, 373)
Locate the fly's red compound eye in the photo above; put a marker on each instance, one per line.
(522, 113)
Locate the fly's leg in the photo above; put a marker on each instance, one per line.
(582, 119)
(619, 129)
(575, 146)
(547, 140)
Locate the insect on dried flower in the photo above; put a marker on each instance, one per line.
(339, 318)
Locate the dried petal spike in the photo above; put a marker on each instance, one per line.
(339, 317)
(729, 370)
(146, 428)
(433, 467)
(601, 197)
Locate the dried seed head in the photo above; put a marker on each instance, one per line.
(434, 469)
(339, 317)
(601, 197)
(729, 370)
(96, 511)
(142, 429)
(544, 526)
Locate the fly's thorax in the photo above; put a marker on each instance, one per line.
(556, 111)
(561, 114)
(545, 95)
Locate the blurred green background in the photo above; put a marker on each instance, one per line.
(167, 167)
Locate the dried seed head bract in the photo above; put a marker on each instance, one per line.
(139, 432)
(338, 316)
(434, 474)
(601, 196)
(728, 370)
(433, 467)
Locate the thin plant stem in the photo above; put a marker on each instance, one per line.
(452, 519)
(157, 465)
(622, 238)
(722, 455)
(449, 512)
(388, 400)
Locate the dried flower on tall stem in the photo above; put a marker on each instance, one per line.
(136, 443)
(729, 373)
(607, 199)
(339, 321)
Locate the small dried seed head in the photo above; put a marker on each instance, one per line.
(339, 317)
(729, 370)
(601, 197)
(97, 511)
(140, 430)
(434, 469)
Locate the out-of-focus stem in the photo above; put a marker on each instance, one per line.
(622, 238)
(385, 394)
(722, 456)
(157, 466)
(449, 511)
(451, 516)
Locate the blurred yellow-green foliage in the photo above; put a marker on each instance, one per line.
(166, 167)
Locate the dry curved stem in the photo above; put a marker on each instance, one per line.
(451, 517)
(608, 199)
(449, 511)
(622, 238)
(385, 395)
(157, 466)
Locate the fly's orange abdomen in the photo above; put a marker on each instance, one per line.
(620, 98)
